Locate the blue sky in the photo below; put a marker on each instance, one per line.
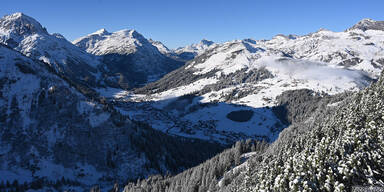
(178, 23)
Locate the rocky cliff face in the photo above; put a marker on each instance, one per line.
(369, 24)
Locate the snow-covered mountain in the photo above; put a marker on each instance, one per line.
(129, 56)
(245, 78)
(26, 35)
(189, 52)
(186, 53)
(52, 133)
(123, 59)
(42, 118)
(368, 24)
(161, 47)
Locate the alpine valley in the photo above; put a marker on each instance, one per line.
(114, 111)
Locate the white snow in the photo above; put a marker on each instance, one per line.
(183, 90)
(197, 48)
(296, 62)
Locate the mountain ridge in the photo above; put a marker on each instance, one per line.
(129, 56)
(368, 24)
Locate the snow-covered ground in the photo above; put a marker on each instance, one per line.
(326, 62)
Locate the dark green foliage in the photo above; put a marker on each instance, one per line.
(334, 150)
(350, 62)
(186, 56)
(129, 73)
(24, 68)
(179, 153)
(238, 77)
(200, 178)
(11, 43)
(176, 78)
(297, 105)
(123, 66)
(38, 184)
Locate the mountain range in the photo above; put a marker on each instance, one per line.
(112, 107)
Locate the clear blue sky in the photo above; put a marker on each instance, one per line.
(181, 22)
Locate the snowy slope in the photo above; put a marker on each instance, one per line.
(249, 75)
(307, 155)
(49, 131)
(27, 36)
(37, 143)
(161, 47)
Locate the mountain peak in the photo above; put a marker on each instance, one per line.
(17, 15)
(131, 33)
(206, 42)
(102, 31)
(368, 24)
(367, 20)
(135, 34)
(21, 24)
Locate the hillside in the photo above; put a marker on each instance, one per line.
(337, 148)
(54, 137)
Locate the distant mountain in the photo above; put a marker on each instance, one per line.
(369, 24)
(26, 35)
(131, 60)
(191, 51)
(161, 47)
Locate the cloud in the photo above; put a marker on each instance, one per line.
(309, 70)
